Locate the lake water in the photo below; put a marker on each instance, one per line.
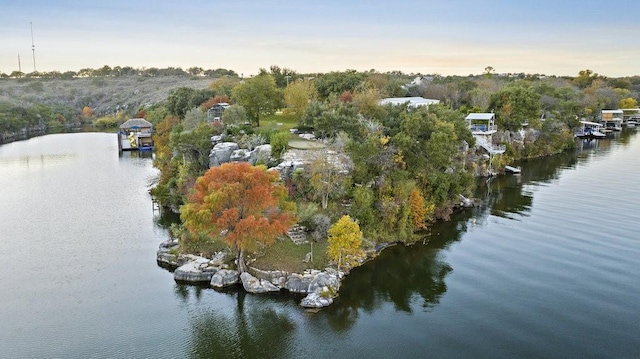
(548, 267)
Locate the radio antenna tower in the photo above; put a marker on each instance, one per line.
(33, 47)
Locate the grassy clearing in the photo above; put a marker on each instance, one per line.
(302, 144)
(288, 256)
(203, 246)
(279, 121)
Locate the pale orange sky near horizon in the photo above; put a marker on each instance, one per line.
(450, 38)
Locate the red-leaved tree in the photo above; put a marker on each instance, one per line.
(241, 204)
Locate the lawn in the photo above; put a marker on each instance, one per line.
(279, 121)
(288, 256)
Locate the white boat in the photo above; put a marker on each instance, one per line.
(590, 130)
(630, 117)
(512, 169)
(632, 121)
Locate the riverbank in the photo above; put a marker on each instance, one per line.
(318, 287)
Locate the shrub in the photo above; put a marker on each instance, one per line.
(279, 142)
(306, 211)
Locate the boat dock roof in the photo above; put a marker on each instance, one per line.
(591, 123)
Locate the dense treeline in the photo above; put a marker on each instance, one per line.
(408, 166)
(15, 119)
(118, 71)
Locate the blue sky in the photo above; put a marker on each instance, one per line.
(455, 37)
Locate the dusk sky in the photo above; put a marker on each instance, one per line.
(455, 37)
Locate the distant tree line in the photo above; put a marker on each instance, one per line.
(117, 71)
(15, 118)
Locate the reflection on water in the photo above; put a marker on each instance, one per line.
(245, 332)
(509, 278)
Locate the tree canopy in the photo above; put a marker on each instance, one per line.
(259, 96)
(297, 96)
(345, 238)
(515, 105)
(240, 204)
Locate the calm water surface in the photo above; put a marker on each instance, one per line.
(548, 267)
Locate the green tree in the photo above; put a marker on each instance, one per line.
(297, 97)
(259, 96)
(362, 206)
(367, 103)
(325, 178)
(335, 83)
(279, 142)
(193, 146)
(345, 238)
(195, 71)
(193, 118)
(282, 76)
(183, 99)
(489, 71)
(224, 85)
(515, 105)
(585, 78)
(328, 121)
(240, 204)
(234, 115)
(387, 85)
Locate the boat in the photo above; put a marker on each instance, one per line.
(630, 117)
(512, 169)
(632, 121)
(590, 130)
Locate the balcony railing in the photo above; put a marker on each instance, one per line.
(483, 128)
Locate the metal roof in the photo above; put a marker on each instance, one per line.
(136, 122)
(412, 101)
(480, 116)
(591, 123)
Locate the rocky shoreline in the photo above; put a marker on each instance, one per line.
(320, 287)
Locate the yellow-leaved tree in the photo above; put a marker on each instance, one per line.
(628, 102)
(345, 238)
(419, 210)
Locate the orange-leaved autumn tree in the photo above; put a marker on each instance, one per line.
(214, 101)
(241, 204)
(87, 112)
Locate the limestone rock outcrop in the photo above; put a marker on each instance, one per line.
(260, 155)
(221, 153)
(254, 285)
(224, 278)
(198, 270)
(240, 155)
